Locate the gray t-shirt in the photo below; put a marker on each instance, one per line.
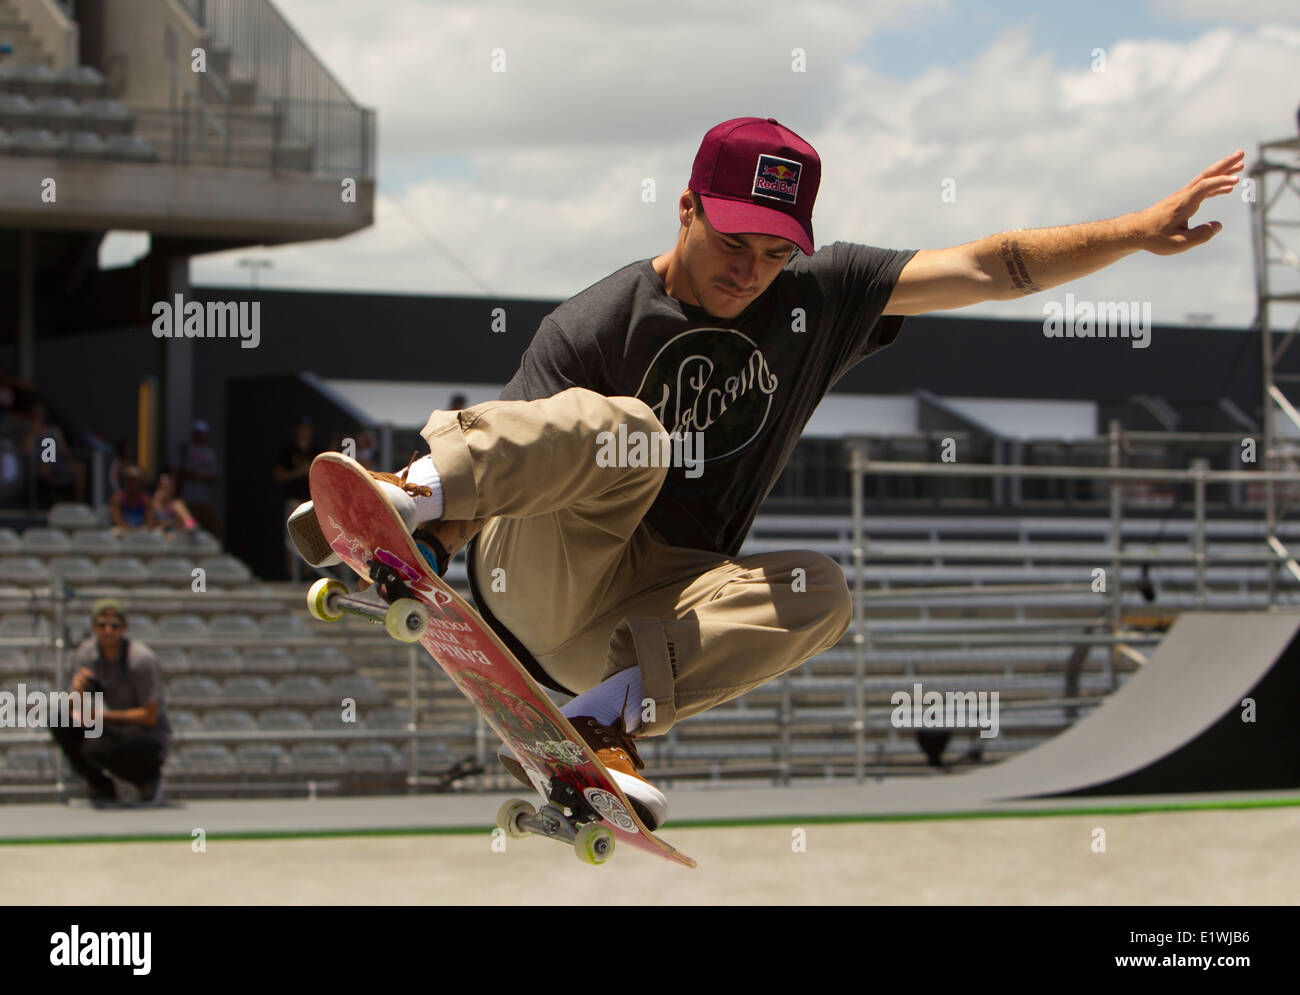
(749, 383)
(129, 682)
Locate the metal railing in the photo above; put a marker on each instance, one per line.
(818, 470)
(1114, 477)
(311, 109)
(263, 138)
(780, 758)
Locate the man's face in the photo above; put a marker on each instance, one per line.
(109, 628)
(726, 273)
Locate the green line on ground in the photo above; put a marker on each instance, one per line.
(1136, 808)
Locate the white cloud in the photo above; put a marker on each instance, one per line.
(1239, 11)
(589, 72)
(558, 146)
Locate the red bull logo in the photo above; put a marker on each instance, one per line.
(777, 178)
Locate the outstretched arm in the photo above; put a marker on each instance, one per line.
(1015, 263)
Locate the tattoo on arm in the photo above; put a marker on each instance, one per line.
(1009, 252)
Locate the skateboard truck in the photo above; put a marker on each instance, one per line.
(404, 617)
(389, 584)
(592, 842)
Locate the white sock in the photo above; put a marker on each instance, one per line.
(424, 472)
(605, 701)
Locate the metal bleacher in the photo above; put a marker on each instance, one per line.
(254, 687)
(256, 691)
(64, 113)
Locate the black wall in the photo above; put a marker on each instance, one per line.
(91, 377)
(261, 413)
(977, 357)
(398, 337)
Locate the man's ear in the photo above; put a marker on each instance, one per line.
(686, 208)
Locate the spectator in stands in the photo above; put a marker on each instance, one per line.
(136, 734)
(131, 508)
(199, 471)
(58, 472)
(291, 471)
(123, 456)
(169, 511)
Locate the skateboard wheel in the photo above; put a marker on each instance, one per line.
(406, 620)
(594, 844)
(509, 814)
(319, 596)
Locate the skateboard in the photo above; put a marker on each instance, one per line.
(581, 803)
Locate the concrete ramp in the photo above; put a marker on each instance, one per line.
(1177, 724)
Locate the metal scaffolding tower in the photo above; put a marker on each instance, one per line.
(1275, 224)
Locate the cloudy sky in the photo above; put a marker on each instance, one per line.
(529, 182)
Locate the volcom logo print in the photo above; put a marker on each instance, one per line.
(711, 380)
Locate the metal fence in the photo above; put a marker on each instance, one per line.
(315, 120)
(286, 135)
(1114, 478)
(818, 472)
(869, 638)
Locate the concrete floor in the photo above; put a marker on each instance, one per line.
(1216, 857)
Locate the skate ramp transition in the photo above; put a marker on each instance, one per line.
(1176, 725)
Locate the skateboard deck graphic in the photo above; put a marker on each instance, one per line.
(368, 535)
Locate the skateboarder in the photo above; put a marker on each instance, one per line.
(652, 413)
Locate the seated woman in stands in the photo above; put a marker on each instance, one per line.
(169, 511)
(131, 508)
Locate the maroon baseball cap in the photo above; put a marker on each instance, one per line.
(754, 175)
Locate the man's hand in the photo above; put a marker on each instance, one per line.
(1164, 224)
(81, 680)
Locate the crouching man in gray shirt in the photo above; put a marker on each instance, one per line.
(135, 734)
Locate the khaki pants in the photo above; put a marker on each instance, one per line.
(567, 564)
